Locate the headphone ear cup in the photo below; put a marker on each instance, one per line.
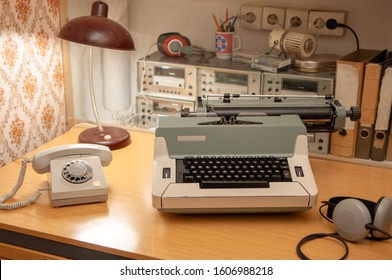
(350, 218)
(173, 44)
(382, 216)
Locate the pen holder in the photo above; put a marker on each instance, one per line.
(225, 44)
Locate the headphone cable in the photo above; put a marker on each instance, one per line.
(373, 228)
(313, 236)
(325, 203)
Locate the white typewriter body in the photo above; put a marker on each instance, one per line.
(283, 136)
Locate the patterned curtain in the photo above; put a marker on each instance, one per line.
(32, 102)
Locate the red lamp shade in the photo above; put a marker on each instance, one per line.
(97, 30)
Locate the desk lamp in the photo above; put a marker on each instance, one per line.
(97, 30)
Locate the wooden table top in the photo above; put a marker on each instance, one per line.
(127, 225)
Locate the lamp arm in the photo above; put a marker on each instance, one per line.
(92, 93)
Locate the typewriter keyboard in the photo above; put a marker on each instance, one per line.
(232, 172)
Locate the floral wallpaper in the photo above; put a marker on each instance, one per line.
(32, 102)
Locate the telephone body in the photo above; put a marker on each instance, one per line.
(75, 173)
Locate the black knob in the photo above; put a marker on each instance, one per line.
(354, 113)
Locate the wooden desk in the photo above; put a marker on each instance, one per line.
(127, 226)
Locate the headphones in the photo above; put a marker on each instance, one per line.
(174, 44)
(355, 218)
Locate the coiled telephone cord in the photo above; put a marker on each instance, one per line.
(23, 203)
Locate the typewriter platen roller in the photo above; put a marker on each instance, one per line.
(318, 113)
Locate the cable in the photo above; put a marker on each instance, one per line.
(188, 50)
(332, 24)
(313, 236)
(197, 50)
(373, 228)
(19, 183)
(355, 34)
(325, 203)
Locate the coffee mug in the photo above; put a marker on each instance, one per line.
(224, 44)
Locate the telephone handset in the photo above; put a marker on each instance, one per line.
(75, 175)
(41, 160)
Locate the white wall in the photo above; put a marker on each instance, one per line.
(371, 19)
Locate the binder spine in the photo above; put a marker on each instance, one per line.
(381, 128)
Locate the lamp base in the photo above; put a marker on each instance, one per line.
(112, 137)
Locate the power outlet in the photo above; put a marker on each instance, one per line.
(296, 19)
(318, 20)
(251, 17)
(273, 18)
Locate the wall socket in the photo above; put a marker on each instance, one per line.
(296, 19)
(273, 18)
(318, 20)
(252, 10)
(311, 21)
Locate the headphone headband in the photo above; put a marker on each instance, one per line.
(332, 202)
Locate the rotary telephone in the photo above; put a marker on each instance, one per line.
(75, 175)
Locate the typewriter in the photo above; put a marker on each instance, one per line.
(236, 157)
(253, 164)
